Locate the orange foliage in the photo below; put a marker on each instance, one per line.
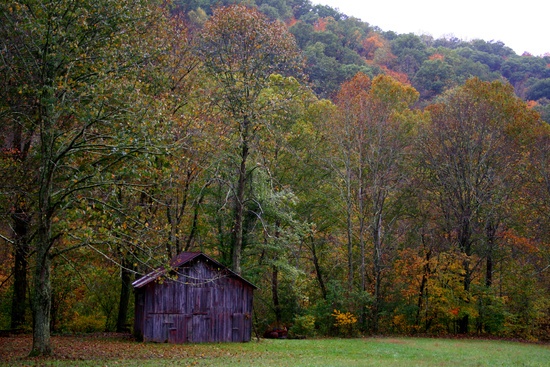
(290, 22)
(352, 89)
(371, 44)
(519, 242)
(320, 25)
(531, 104)
(437, 57)
(455, 311)
(400, 77)
(10, 152)
(409, 269)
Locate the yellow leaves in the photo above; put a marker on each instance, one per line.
(394, 92)
(16, 7)
(344, 319)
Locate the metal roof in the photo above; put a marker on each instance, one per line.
(180, 260)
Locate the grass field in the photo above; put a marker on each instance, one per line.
(387, 352)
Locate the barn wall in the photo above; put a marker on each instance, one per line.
(202, 305)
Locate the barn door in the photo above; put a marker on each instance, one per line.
(180, 332)
(201, 321)
(237, 333)
(202, 331)
(157, 327)
(171, 328)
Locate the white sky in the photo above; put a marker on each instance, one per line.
(521, 25)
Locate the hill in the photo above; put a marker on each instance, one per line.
(338, 45)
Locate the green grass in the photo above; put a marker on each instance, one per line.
(387, 352)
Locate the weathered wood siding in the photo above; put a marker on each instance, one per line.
(203, 304)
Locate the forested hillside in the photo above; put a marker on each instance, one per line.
(338, 45)
(367, 182)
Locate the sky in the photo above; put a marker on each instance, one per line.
(521, 25)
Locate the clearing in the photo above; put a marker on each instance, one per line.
(121, 350)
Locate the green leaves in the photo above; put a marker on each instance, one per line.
(86, 108)
(241, 48)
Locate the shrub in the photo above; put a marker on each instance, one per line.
(87, 324)
(345, 322)
(303, 326)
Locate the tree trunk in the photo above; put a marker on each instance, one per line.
(349, 228)
(125, 290)
(463, 324)
(490, 231)
(318, 270)
(42, 296)
(42, 293)
(21, 251)
(465, 242)
(194, 225)
(377, 267)
(275, 294)
(423, 284)
(489, 271)
(350, 251)
(239, 203)
(363, 263)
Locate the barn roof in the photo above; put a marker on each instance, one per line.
(180, 260)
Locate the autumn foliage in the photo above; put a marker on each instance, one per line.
(397, 194)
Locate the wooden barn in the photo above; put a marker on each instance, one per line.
(197, 300)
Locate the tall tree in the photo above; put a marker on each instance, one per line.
(378, 125)
(470, 160)
(280, 150)
(348, 116)
(241, 48)
(16, 134)
(81, 59)
(15, 183)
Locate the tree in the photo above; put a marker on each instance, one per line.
(313, 182)
(433, 77)
(376, 126)
(470, 160)
(540, 89)
(241, 49)
(16, 163)
(350, 101)
(411, 52)
(81, 65)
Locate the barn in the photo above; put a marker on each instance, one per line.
(196, 300)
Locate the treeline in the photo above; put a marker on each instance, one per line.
(326, 171)
(337, 46)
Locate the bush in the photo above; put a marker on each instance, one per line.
(345, 322)
(87, 324)
(491, 314)
(303, 326)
